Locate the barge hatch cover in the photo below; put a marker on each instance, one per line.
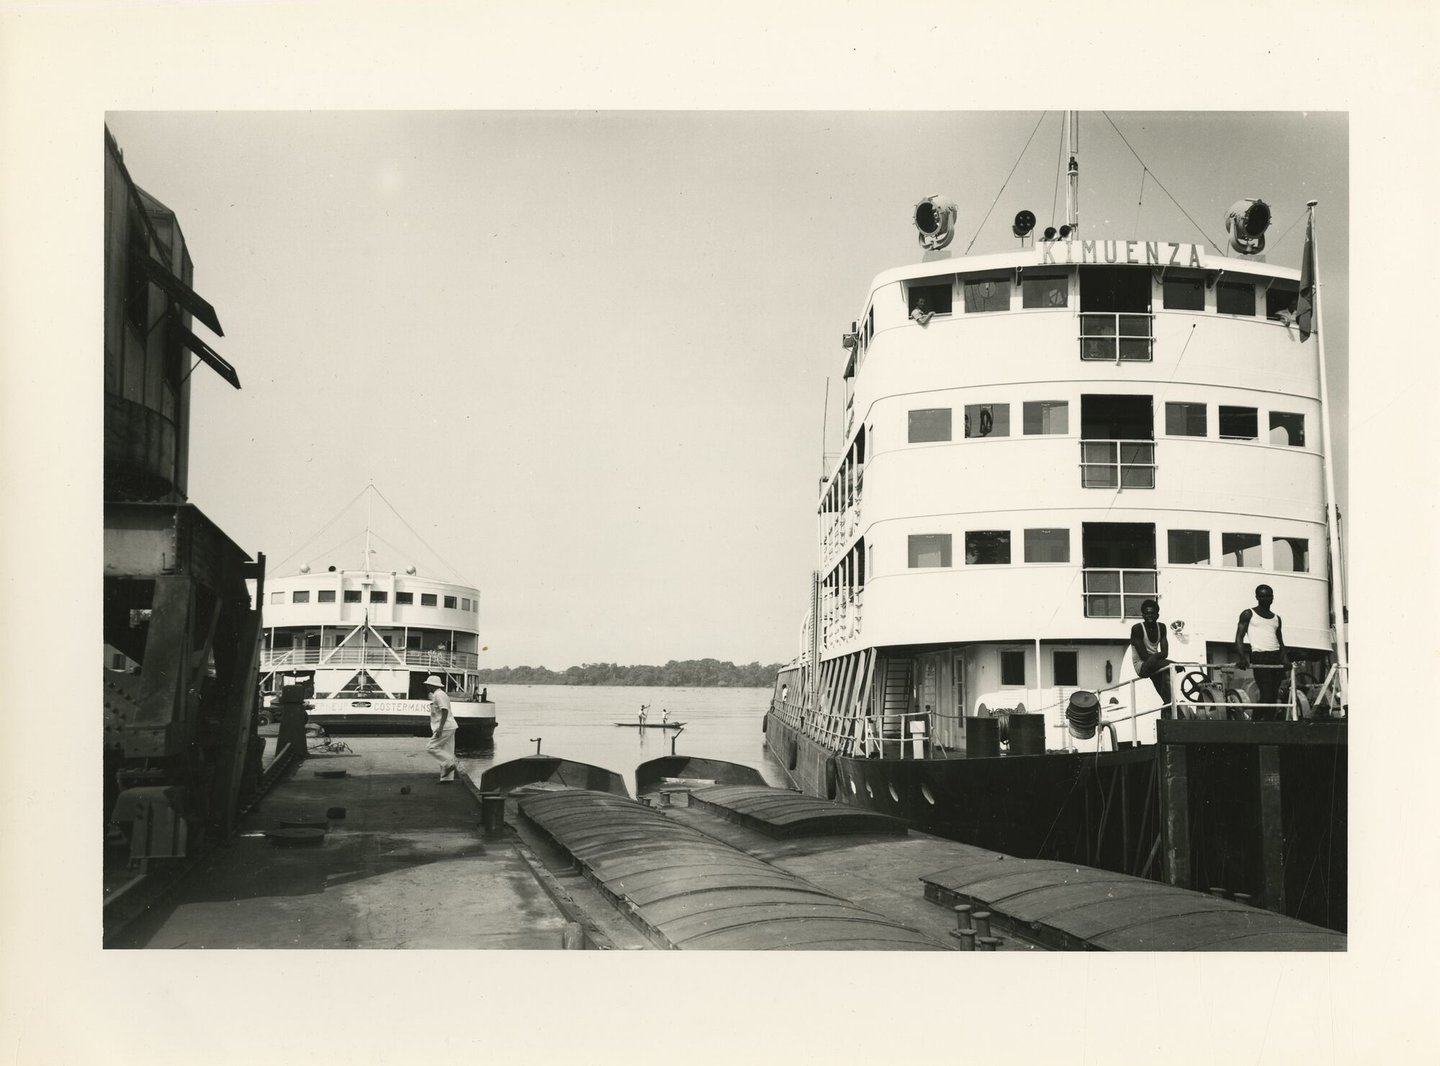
(688, 890)
(783, 814)
(1075, 907)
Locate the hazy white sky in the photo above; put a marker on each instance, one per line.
(585, 353)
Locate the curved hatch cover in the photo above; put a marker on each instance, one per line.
(689, 890)
(779, 812)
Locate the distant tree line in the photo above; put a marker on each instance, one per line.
(689, 673)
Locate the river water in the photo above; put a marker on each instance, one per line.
(578, 722)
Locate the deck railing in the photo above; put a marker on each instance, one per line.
(369, 655)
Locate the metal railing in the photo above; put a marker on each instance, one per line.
(1118, 593)
(1117, 336)
(368, 655)
(1117, 464)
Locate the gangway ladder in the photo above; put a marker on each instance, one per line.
(895, 699)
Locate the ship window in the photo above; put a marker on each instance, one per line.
(1238, 423)
(1047, 545)
(427, 599)
(929, 549)
(277, 597)
(404, 597)
(1012, 668)
(987, 420)
(1185, 420)
(325, 596)
(1066, 668)
(1235, 298)
(1292, 554)
(1046, 416)
(300, 596)
(284, 640)
(1184, 292)
(1045, 290)
(1281, 296)
(1189, 546)
(985, 547)
(1240, 549)
(1287, 429)
(352, 595)
(376, 596)
(929, 424)
(937, 297)
(987, 294)
(449, 601)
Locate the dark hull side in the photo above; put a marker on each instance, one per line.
(1228, 816)
(469, 732)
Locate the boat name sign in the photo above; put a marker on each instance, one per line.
(1133, 253)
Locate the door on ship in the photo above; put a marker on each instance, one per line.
(1119, 568)
(1117, 442)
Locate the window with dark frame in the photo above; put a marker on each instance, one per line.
(352, 595)
(428, 599)
(1235, 298)
(1287, 428)
(929, 549)
(938, 296)
(1065, 668)
(1238, 423)
(1012, 668)
(929, 424)
(1044, 290)
(987, 294)
(987, 547)
(1240, 549)
(987, 420)
(1188, 547)
(1183, 293)
(1185, 419)
(403, 598)
(1282, 296)
(1045, 417)
(325, 596)
(377, 596)
(1292, 554)
(1047, 545)
(450, 601)
(300, 596)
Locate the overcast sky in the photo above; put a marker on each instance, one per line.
(585, 354)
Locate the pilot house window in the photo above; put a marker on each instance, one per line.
(1046, 290)
(1235, 298)
(937, 297)
(987, 420)
(987, 294)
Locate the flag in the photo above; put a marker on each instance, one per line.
(1305, 307)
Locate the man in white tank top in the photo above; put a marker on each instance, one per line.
(1260, 627)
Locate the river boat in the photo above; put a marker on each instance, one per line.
(1035, 442)
(362, 642)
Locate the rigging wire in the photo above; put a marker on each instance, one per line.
(412, 529)
(1135, 232)
(314, 536)
(1157, 180)
(1005, 183)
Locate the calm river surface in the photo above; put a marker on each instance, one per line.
(578, 722)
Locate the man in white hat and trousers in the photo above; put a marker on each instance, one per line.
(442, 729)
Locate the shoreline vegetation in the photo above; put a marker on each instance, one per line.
(689, 673)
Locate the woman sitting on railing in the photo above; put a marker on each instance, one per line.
(1150, 652)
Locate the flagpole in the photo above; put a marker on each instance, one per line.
(1337, 591)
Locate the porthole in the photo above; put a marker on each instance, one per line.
(929, 796)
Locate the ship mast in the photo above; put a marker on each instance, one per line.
(1072, 188)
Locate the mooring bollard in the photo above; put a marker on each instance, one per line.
(966, 938)
(1245, 898)
(982, 923)
(1218, 893)
(962, 916)
(989, 943)
(492, 813)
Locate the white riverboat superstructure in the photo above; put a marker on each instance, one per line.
(1036, 442)
(363, 642)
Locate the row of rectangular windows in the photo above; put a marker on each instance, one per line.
(1182, 419)
(1179, 292)
(427, 599)
(398, 641)
(1189, 547)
